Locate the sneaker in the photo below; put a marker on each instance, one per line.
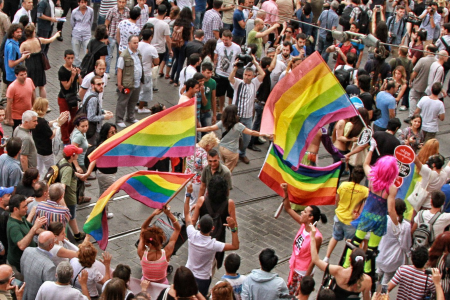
(403, 108)
(136, 108)
(107, 74)
(262, 140)
(326, 259)
(132, 121)
(80, 236)
(407, 121)
(110, 215)
(144, 111)
(60, 38)
(121, 125)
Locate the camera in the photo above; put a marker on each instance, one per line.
(428, 272)
(413, 19)
(378, 6)
(244, 58)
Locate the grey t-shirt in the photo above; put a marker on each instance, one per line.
(423, 69)
(28, 146)
(231, 140)
(80, 139)
(161, 30)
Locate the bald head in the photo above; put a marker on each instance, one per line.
(258, 21)
(5, 274)
(443, 55)
(46, 240)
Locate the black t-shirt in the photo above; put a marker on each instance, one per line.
(193, 47)
(26, 191)
(419, 8)
(386, 144)
(103, 51)
(4, 215)
(352, 90)
(41, 136)
(264, 89)
(64, 75)
(367, 100)
(385, 69)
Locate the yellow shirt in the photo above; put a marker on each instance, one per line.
(350, 194)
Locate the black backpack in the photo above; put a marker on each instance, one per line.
(344, 20)
(83, 110)
(424, 234)
(447, 48)
(363, 20)
(219, 229)
(344, 75)
(88, 62)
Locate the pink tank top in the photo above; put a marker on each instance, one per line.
(301, 250)
(155, 271)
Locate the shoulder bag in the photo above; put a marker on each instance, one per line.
(419, 195)
(328, 281)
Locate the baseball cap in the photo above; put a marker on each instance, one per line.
(70, 150)
(5, 191)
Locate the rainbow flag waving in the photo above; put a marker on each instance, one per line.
(407, 188)
(306, 99)
(169, 133)
(306, 185)
(153, 189)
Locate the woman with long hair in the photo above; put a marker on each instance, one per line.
(438, 256)
(431, 147)
(115, 289)
(294, 63)
(26, 185)
(154, 259)
(350, 281)
(184, 21)
(413, 134)
(184, 287)
(379, 203)
(231, 132)
(207, 54)
(399, 76)
(174, 12)
(78, 139)
(300, 263)
(35, 63)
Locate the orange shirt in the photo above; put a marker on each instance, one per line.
(21, 95)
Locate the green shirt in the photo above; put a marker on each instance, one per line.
(210, 86)
(70, 180)
(252, 39)
(16, 231)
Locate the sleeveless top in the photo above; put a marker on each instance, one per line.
(155, 271)
(374, 215)
(301, 250)
(342, 294)
(215, 207)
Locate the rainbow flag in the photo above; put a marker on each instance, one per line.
(306, 99)
(407, 188)
(153, 189)
(306, 185)
(169, 133)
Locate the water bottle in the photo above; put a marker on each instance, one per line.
(169, 62)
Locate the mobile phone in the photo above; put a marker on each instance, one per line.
(17, 282)
(384, 289)
(378, 6)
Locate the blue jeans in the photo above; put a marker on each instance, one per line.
(199, 19)
(179, 55)
(203, 286)
(205, 119)
(101, 20)
(112, 44)
(79, 47)
(245, 137)
(322, 48)
(228, 26)
(257, 121)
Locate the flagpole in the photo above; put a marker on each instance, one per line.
(176, 193)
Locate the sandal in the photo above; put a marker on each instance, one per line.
(161, 74)
(171, 81)
(175, 84)
(167, 77)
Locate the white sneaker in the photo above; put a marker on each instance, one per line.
(107, 74)
(326, 259)
(121, 124)
(110, 215)
(136, 108)
(133, 121)
(144, 111)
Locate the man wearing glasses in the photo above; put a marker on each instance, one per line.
(6, 286)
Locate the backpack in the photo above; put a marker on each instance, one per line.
(424, 234)
(219, 229)
(177, 36)
(53, 173)
(344, 20)
(83, 110)
(363, 21)
(88, 62)
(447, 48)
(344, 75)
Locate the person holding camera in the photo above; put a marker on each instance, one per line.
(430, 22)
(396, 28)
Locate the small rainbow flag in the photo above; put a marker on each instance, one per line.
(153, 189)
(306, 185)
(169, 133)
(407, 188)
(306, 99)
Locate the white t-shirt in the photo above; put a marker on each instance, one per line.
(201, 252)
(430, 111)
(54, 251)
(49, 290)
(280, 67)
(21, 12)
(226, 58)
(185, 3)
(246, 100)
(94, 276)
(161, 30)
(436, 180)
(86, 84)
(148, 53)
(440, 224)
(436, 74)
(186, 74)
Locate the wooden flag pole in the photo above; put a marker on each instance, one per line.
(279, 210)
(176, 193)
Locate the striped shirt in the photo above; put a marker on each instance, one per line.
(244, 97)
(211, 22)
(115, 17)
(144, 16)
(411, 283)
(105, 6)
(53, 212)
(155, 271)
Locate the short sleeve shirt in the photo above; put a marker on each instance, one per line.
(161, 30)
(148, 53)
(385, 102)
(222, 171)
(64, 75)
(231, 139)
(11, 52)
(210, 86)
(16, 231)
(196, 163)
(21, 95)
(238, 16)
(127, 29)
(244, 96)
(430, 111)
(81, 140)
(252, 39)
(28, 146)
(94, 276)
(41, 136)
(226, 58)
(70, 180)
(328, 19)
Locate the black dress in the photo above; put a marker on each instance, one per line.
(35, 69)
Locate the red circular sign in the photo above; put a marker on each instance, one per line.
(404, 154)
(398, 182)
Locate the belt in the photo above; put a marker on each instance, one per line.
(204, 111)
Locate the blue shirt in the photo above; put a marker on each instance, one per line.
(328, 19)
(295, 52)
(306, 29)
(359, 47)
(385, 102)
(446, 190)
(237, 29)
(200, 5)
(12, 52)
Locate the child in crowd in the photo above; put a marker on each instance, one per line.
(232, 264)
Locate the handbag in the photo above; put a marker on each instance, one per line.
(419, 195)
(45, 62)
(357, 159)
(328, 281)
(72, 99)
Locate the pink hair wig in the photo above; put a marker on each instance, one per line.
(383, 173)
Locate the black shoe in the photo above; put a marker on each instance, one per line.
(155, 89)
(407, 121)
(79, 237)
(60, 38)
(254, 148)
(257, 142)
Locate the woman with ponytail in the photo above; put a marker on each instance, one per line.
(154, 259)
(351, 281)
(395, 246)
(300, 263)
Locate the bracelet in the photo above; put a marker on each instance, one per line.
(176, 220)
(233, 230)
(188, 195)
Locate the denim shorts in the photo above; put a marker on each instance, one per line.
(73, 211)
(341, 230)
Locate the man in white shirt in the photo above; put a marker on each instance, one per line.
(149, 59)
(189, 71)
(244, 98)
(280, 67)
(202, 248)
(437, 73)
(161, 35)
(437, 200)
(100, 69)
(431, 109)
(27, 6)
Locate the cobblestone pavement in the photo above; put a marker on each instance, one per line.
(255, 201)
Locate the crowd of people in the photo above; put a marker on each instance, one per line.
(210, 51)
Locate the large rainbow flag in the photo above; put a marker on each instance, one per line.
(306, 99)
(170, 133)
(306, 185)
(153, 189)
(407, 188)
